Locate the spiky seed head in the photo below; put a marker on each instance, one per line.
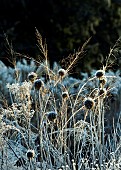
(38, 84)
(61, 72)
(65, 95)
(89, 103)
(102, 93)
(100, 73)
(51, 116)
(32, 76)
(30, 154)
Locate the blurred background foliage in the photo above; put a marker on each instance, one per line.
(66, 25)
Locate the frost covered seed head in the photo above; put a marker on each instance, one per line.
(65, 95)
(30, 154)
(38, 84)
(99, 73)
(61, 72)
(32, 76)
(52, 116)
(89, 103)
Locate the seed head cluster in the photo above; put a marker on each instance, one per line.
(30, 154)
(100, 73)
(89, 103)
(51, 116)
(65, 95)
(61, 72)
(32, 76)
(38, 84)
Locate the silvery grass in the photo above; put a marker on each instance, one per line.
(62, 122)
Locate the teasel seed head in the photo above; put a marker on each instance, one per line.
(51, 115)
(65, 95)
(61, 72)
(30, 154)
(32, 76)
(89, 103)
(38, 83)
(100, 73)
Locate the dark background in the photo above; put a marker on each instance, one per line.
(66, 25)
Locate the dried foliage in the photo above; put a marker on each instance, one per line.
(50, 120)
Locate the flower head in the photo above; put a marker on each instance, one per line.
(89, 103)
(38, 84)
(30, 154)
(100, 73)
(61, 72)
(32, 76)
(65, 95)
(51, 116)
